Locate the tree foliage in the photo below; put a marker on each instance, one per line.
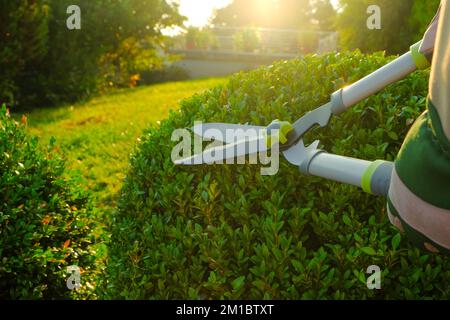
(46, 63)
(265, 13)
(402, 24)
(422, 12)
(324, 14)
(23, 41)
(403, 21)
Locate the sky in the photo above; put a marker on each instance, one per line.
(200, 11)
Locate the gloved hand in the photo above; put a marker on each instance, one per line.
(429, 38)
(420, 182)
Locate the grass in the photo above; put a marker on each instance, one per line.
(97, 137)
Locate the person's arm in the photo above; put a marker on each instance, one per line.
(429, 38)
(439, 98)
(419, 201)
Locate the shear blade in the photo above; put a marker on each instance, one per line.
(220, 155)
(299, 153)
(226, 132)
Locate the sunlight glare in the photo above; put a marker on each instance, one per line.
(200, 11)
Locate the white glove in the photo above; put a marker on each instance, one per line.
(429, 38)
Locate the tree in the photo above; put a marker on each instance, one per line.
(43, 62)
(23, 41)
(324, 14)
(403, 23)
(422, 13)
(134, 36)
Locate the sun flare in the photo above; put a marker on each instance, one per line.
(199, 12)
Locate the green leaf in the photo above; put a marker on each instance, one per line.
(347, 220)
(393, 136)
(238, 283)
(212, 277)
(192, 294)
(357, 237)
(297, 265)
(369, 251)
(396, 241)
(361, 277)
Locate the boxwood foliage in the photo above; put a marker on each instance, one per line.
(226, 232)
(45, 220)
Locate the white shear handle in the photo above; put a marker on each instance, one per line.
(378, 80)
(373, 177)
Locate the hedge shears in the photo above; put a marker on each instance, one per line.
(373, 177)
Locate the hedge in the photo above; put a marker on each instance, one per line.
(46, 221)
(226, 232)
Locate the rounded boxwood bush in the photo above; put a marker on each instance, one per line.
(226, 232)
(45, 220)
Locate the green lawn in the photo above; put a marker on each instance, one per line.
(97, 137)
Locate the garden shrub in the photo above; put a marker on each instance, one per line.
(226, 232)
(46, 221)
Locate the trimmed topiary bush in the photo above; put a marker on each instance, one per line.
(226, 232)
(45, 221)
